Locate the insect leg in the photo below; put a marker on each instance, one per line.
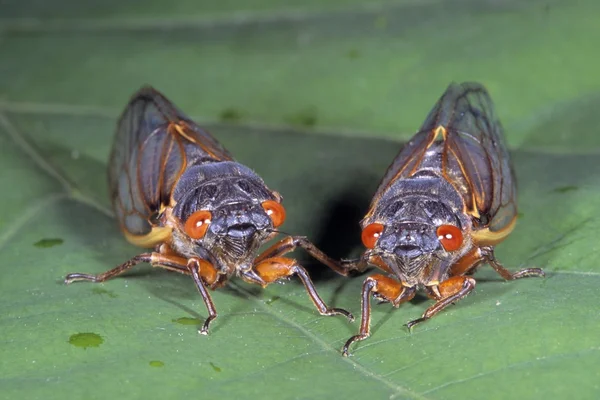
(272, 269)
(201, 271)
(450, 290)
(180, 264)
(488, 253)
(74, 277)
(384, 287)
(195, 267)
(291, 243)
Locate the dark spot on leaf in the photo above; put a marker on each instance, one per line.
(156, 363)
(187, 321)
(353, 54)
(230, 115)
(306, 117)
(565, 189)
(272, 299)
(102, 291)
(520, 215)
(217, 369)
(86, 339)
(45, 243)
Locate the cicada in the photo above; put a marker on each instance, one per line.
(446, 201)
(176, 189)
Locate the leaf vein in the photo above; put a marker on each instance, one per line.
(514, 365)
(398, 389)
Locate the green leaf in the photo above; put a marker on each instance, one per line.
(317, 97)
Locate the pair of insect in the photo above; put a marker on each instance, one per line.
(447, 199)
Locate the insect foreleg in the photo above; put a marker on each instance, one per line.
(275, 268)
(291, 243)
(488, 253)
(451, 290)
(141, 258)
(195, 267)
(384, 287)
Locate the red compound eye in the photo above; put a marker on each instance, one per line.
(275, 211)
(450, 237)
(197, 224)
(371, 234)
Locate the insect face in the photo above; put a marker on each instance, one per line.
(415, 226)
(229, 215)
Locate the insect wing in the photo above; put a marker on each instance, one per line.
(473, 155)
(153, 145)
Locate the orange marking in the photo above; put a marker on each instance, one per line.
(436, 132)
(181, 127)
(387, 287)
(440, 130)
(379, 263)
(158, 234)
(451, 286)
(485, 237)
(207, 271)
(274, 268)
(466, 262)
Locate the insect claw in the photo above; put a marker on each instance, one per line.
(345, 313)
(411, 324)
(79, 277)
(355, 338)
(527, 272)
(205, 326)
(251, 276)
(339, 311)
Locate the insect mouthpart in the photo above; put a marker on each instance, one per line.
(408, 250)
(241, 230)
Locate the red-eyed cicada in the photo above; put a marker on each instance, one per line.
(447, 199)
(174, 188)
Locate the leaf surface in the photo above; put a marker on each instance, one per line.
(318, 100)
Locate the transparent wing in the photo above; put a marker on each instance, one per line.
(473, 156)
(153, 145)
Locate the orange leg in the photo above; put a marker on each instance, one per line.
(272, 269)
(195, 266)
(169, 262)
(201, 271)
(488, 254)
(477, 256)
(467, 263)
(450, 291)
(385, 288)
(291, 243)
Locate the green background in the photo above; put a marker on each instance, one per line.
(317, 97)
